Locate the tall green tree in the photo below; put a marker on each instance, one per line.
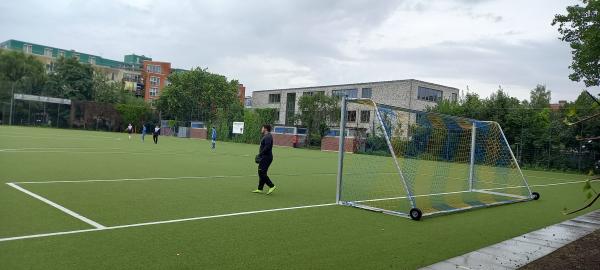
(71, 79)
(107, 91)
(580, 27)
(316, 113)
(135, 111)
(197, 95)
(20, 73)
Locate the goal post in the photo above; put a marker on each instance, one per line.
(412, 163)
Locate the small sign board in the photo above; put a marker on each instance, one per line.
(42, 99)
(238, 127)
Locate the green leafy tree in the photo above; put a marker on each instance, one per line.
(580, 27)
(106, 91)
(20, 73)
(135, 111)
(71, 79)
(197, 94)
(316, 113)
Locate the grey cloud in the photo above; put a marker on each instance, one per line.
(222, 34)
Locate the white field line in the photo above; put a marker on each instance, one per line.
(501, 194)
(230, 176)
(58, 206)
(487, 190)
(166, 221)
(51, 148)
(82, 138)
(206, 217)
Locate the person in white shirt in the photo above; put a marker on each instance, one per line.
(155, 134)
(130, 130)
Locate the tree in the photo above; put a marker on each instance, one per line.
(540, 97)
(580, 27)
(197, 94)
(316, 112)
(106, 91)
(71, 80)
(136, 112)
(19, 73)
(22, 71)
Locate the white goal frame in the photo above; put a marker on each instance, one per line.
(401, 178)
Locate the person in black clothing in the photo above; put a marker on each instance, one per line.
(264, 160)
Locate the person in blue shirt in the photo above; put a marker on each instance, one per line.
(143, 132)
(214, 138)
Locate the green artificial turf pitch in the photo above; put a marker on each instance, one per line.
(190, 181)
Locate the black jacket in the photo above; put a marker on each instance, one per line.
(266, 146)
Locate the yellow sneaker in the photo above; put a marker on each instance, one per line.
(257, 191)
(271, 190)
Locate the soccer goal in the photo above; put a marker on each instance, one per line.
(412, 163)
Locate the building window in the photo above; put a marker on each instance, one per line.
(312, 93)
(349, 93)
(27, 48)
(429, 94)
(130, 77)
(153, 91)
(454, 97)
(93, 60)
(154, 81)
(366, 93)
(277, 116)
(48, 52)
(274, 98)
(365, 116)
(351, 116)
(153, 68)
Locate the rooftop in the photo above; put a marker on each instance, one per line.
(353, 84)
(42, 50)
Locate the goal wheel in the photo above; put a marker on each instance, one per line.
(415, 214)
(535, 196)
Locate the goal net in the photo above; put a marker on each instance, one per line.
(413, 163)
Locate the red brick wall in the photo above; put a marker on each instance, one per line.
(198, 133)
(330, 143)
(288, 140)
(241, 93)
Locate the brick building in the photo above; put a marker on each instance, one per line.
(154, 75)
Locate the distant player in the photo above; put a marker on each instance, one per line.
(155, 134)
(129, 130)
(264, 159)
(213, 136)
(143, 132)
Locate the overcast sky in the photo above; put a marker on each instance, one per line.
(277, 44)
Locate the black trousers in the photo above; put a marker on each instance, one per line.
(263, 168)
(155, 138)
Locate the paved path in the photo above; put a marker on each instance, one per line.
(521, 250)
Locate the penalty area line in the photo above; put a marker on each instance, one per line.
(166, 222)
(58, 206)
(215, 216)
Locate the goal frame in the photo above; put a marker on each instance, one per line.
(402, 180)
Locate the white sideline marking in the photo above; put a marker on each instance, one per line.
(166, 221)
(206, 217)
(57, 206)
(487, 190)
(159, 178)
(500, 194)
(221, 215)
